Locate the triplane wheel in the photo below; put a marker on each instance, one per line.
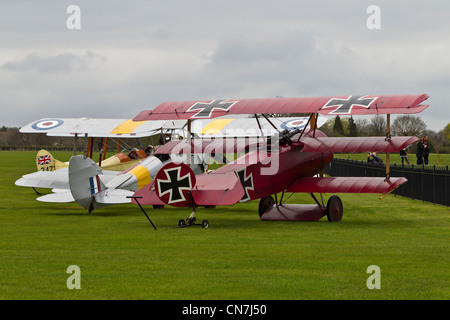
(335, 209)
(264, 204)
(191, 222)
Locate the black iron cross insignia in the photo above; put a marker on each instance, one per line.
(206, 108)
(174, 185)
(345, 105)
(247, 183)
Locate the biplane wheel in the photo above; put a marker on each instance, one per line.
(335, 209)
(181, 223)
(264, 204)
(205, 224)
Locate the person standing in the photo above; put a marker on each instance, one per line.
(376, 158)
(426, 150)
(419, 152)
(404, 156)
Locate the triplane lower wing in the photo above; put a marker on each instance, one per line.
(289, 161)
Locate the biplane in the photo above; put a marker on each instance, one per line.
(114, 180)
(93, 185)
(291, 161)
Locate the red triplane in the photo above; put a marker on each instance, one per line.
(288, 162)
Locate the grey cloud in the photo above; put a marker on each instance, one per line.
(176, 50)
(63, 62)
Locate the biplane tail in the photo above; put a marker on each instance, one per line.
(85, 182)
(46, 162)
(94, 188)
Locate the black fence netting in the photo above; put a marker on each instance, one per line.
(426, 183)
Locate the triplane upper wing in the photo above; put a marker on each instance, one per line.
(342, 105)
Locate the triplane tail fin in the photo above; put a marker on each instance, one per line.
(84, 181)
(46, 162)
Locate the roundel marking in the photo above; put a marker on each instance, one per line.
(47, 124)
(294, 124)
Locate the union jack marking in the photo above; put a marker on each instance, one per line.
(44, 160)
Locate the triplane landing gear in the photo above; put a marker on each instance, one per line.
(335, 209)
(270, 209)
(191, 222)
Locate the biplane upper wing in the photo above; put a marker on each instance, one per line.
(224, 127)
(345, 185)
(107, 128)
(340, 105)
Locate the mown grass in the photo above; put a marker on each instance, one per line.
(239, 257)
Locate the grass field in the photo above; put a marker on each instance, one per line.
(121, 256)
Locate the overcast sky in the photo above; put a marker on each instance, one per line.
(133, 55)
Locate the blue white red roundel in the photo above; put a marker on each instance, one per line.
(294, 124)
(47, 124)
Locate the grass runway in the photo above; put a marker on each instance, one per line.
(121, 256)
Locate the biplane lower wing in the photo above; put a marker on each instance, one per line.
(45, 179)
(345, 185)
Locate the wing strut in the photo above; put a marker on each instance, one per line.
(313, 118)
(75, 140)
(270, 122)
(388, 137)
(260, 128)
